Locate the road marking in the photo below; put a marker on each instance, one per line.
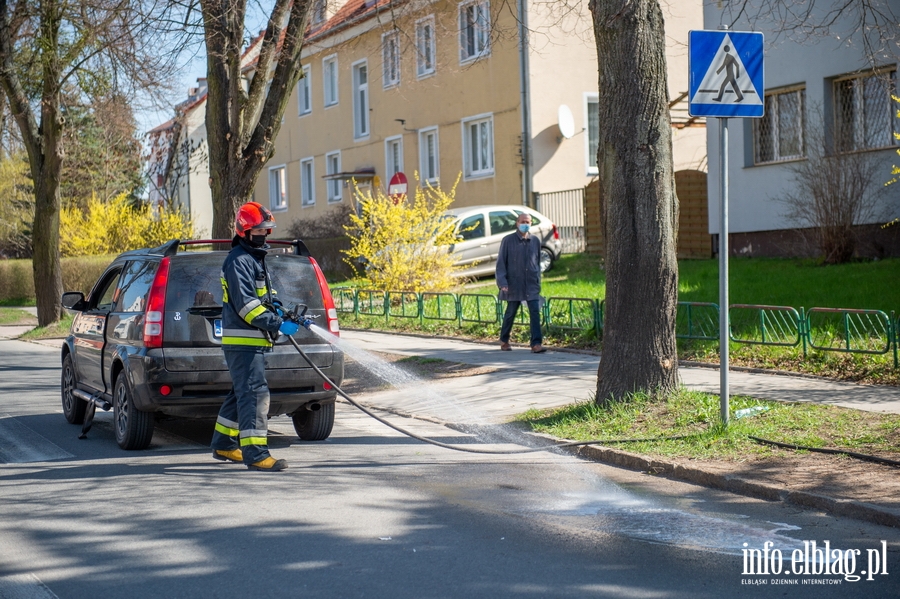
(24, 586)
(22, 444)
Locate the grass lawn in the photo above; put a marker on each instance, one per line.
(695, 414)
(12, 316)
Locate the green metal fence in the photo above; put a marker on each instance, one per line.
(821, 329)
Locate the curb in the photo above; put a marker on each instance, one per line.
(847, 508)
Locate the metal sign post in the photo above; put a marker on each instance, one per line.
(726, 80)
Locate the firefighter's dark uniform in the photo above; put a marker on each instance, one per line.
(243, 418)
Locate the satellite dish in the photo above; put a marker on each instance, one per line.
(566, 121)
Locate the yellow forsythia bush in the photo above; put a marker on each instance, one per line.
(115, 226)
(403, 245)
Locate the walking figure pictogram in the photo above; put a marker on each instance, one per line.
(732, 71)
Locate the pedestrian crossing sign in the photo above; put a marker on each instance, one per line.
(726, 74)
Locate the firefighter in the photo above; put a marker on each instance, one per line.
(249, 326)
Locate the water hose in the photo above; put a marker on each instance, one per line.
(852, 454)
(413, 435)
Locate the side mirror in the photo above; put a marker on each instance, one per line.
(73, 300)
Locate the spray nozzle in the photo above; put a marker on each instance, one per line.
(297, 314)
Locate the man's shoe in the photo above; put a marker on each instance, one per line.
(505, 347)
(538, 349)
(228, 455)
(269, 464)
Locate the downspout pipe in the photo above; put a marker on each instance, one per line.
(525, 91)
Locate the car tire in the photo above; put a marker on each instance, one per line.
(133, 427)
(314, 426)
(73, 408)
(546, 259)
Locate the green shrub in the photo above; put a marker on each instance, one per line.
(79, 274)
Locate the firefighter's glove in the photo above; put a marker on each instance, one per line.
(279, 307)
(288, 328)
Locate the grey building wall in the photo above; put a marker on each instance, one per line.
(816, 62)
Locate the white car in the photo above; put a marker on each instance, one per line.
(483, 227)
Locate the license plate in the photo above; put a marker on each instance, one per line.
(217, 328)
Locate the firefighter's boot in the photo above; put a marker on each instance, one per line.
(269, 464)
(228, 455)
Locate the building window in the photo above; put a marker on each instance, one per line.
(781, 133)
(304, 92)
(319, 12)
(425, 49)
(360, 100)
(478, 146)
(429, 161)
(330, 79)
(390, 55)
(393, 155)
(592, 140)
(474, 30)
(862, 111)
(277, 188)
(308, 182)
(333, 167)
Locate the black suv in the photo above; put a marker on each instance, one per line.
(147, 341)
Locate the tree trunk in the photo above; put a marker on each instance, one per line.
(242, 125)
(639, 209)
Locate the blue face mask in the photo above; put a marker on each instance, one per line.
(524, 227)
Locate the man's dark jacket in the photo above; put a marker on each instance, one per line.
(519, 267)
(245, 283)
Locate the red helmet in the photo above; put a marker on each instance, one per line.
(253, 215)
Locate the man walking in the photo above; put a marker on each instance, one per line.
(249, 327)
(519, 280)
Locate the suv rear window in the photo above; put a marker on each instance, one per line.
(195, 280)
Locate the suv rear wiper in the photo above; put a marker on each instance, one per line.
(207, 311)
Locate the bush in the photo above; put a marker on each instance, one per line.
(117, 226)
(398, 242)
(16, 208)
(78, 273)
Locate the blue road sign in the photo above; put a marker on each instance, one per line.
(726, 74)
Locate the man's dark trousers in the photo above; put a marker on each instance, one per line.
(534, 313)
(243, 417)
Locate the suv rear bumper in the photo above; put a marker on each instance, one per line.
(201, 393)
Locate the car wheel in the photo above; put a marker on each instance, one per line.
(134, 428)
(73, 408)
(546, 259)
(314, 426)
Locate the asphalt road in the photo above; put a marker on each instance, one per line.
(370, 513)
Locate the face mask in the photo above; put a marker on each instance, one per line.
(524, 227)
(256, 241)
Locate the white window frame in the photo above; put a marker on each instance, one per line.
(304, 91)
(479, 171)
(330, 80)
(478, 28)
(862, 139)
(393, 163)
(390, 59)
(361, 125)
(426, 49)
(424, 134)
(333, 167)
(278, 179)
(773, 117)
(308, 182)
(590, 152)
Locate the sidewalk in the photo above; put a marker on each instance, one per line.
(519, 380)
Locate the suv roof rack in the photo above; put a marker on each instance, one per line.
(169, 248)
(300, 248)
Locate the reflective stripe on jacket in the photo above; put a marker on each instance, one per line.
(245, 319)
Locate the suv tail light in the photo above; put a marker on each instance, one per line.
(330, 311)
(156, 307)
(555, 232)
